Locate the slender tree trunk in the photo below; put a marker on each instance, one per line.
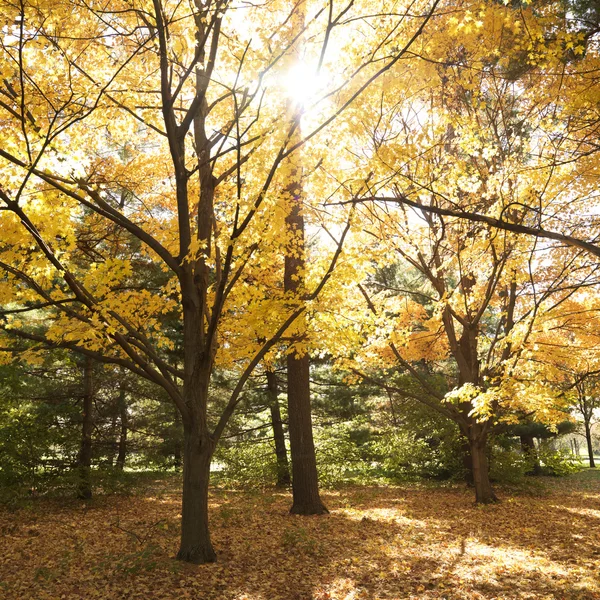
(196, 546)
(123, 434)
(528, 448)
(283, 469)
(484, 494)
(588, 439)
(113, 443)
(84, 462)
(198, 352)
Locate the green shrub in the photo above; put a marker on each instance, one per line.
(401, 456)
(249, 463)
(558, 463)
(508, 465)
(340, 458)
(36, 452)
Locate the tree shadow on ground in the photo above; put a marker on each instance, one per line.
(387, 543)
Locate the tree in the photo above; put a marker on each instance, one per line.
(305, 484)
(565, 348)
(588, 401)
(122, 447)
(197, 103)
(463, 134)
(283, 469)
(84, 460)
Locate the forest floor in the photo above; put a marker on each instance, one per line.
(412, 541)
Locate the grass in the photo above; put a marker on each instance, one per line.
(378, 543)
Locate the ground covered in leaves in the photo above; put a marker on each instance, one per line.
(377, 543)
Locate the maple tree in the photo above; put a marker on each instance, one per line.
(472, 141)
(564, 348)
(305, 484)
(146, 149)
(587, 404)
(170, 206)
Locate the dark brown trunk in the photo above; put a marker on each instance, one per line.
(283, 469)
(305, 484)
(195, 545)
(528, 448)
(123, 434)
(467, 462)
(484, 494)
(84, 460)
(590, 446)
(177, 457)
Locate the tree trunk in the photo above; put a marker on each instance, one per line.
(113, 443)
(283, 469)
(123, 435)
(305, 483)
(84, 461)
(467, 462)
(588, 439)
(195, 545)
(177, 458)
(481, 477)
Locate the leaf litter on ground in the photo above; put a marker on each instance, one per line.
(378, 543)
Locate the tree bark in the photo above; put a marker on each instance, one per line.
(283, 469)
(305, 483)
(467, 462)
(195, 546)
(590, 446)
(177, 455)
(84, 460)
(484, 494)
(123, 433)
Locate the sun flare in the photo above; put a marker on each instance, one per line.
(303, 83)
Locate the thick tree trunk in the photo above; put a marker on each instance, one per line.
(481, 478)
(177, 440)
(467, 462)
(195, 545)
(590, 446)
(283, 469)
(305, 483)
(123, 434)
(84, 461)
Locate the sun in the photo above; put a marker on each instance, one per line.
(303, 84)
